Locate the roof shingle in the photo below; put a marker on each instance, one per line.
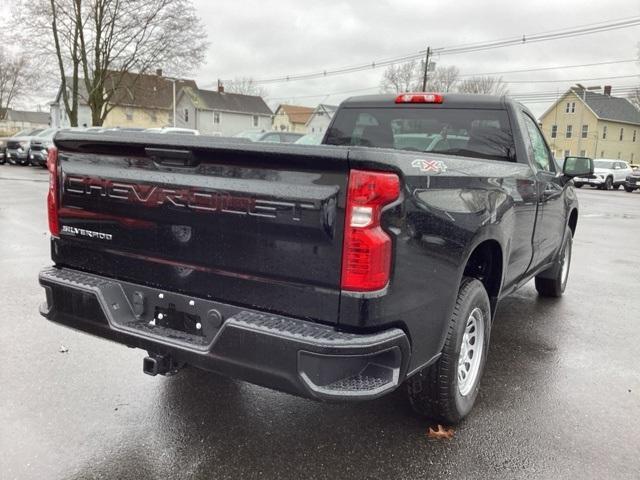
(296, 113)
(607, 107)
(230, 102)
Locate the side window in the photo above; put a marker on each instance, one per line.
(541, 156)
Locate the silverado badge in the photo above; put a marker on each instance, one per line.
(434, 166)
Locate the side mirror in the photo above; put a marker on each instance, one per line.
(577, 167)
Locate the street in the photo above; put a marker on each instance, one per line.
(560, 397)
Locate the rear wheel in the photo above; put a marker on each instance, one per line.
(629, 189)
(447, 390)
(552, 282)
(578, 185)
(608, 184)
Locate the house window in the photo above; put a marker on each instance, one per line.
(634, 135)
(568, 108)
(601, 153)
(604, 132)
(569, 131)
(554, 131)
(567, 153)
(582, 153)
(216, 118)
(256, 120)
(585, 131)
(621, 135)
(186, 115)
(573, 107)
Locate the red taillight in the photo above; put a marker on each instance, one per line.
(52, 196)
(366, 255)
(419, 98)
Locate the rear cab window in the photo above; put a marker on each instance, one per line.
(480, 133)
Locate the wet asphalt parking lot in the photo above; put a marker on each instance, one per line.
(560, 397)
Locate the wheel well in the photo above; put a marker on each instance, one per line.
(573, 220)
(485, 264)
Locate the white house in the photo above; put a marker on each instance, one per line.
(59, 118)
(320, 118)
(11, 121)
(221, 113)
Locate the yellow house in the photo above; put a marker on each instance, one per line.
(135, 100)
(142, 100)
(292, 118)
(595, 125)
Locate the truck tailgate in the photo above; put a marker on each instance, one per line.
(256, 225)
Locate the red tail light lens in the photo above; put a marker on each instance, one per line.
(52, 196)
(366, 255)
(419, 98)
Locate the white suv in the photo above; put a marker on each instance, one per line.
(607, 174)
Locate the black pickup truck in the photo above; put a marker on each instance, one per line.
(335, 272)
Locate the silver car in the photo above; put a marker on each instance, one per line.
(608, 174)
(18, 146)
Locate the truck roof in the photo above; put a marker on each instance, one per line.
(451, 100)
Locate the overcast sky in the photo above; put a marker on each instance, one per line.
(263, 39)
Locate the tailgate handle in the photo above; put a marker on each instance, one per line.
(172, 157)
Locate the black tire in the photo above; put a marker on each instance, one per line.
(608, 183)
(629, 189)
(578, 185)
(552, 282)
(434, 391)
(615, 186)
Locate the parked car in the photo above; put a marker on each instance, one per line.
(3, 146)
(310, 139)
(40, 145)
(251, 134)
(279, 137)
(270, 137)
(632, 182)
(608, 174)
(17, 151)
(174, 130)
(338, 279)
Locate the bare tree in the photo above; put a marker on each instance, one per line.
(443, 79)
(99, 42)
(399, 78)
(16, 75)
(245, 86)
(483, 85)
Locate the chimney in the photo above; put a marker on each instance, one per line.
(607, 90)
(220, 86)
(159, 72)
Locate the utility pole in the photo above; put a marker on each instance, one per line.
(174, 102)
(426, 69)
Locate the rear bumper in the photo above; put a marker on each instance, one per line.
(287, 354)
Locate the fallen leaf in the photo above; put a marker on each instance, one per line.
(63, 349)
(440, 433)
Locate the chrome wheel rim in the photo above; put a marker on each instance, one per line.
(471, 351)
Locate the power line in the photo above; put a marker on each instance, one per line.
(571, 80)
(465, 48)
(540, 69)
(364, 89)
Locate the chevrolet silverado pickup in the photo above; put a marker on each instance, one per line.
(338, 271)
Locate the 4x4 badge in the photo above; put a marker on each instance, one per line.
(434, 166)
